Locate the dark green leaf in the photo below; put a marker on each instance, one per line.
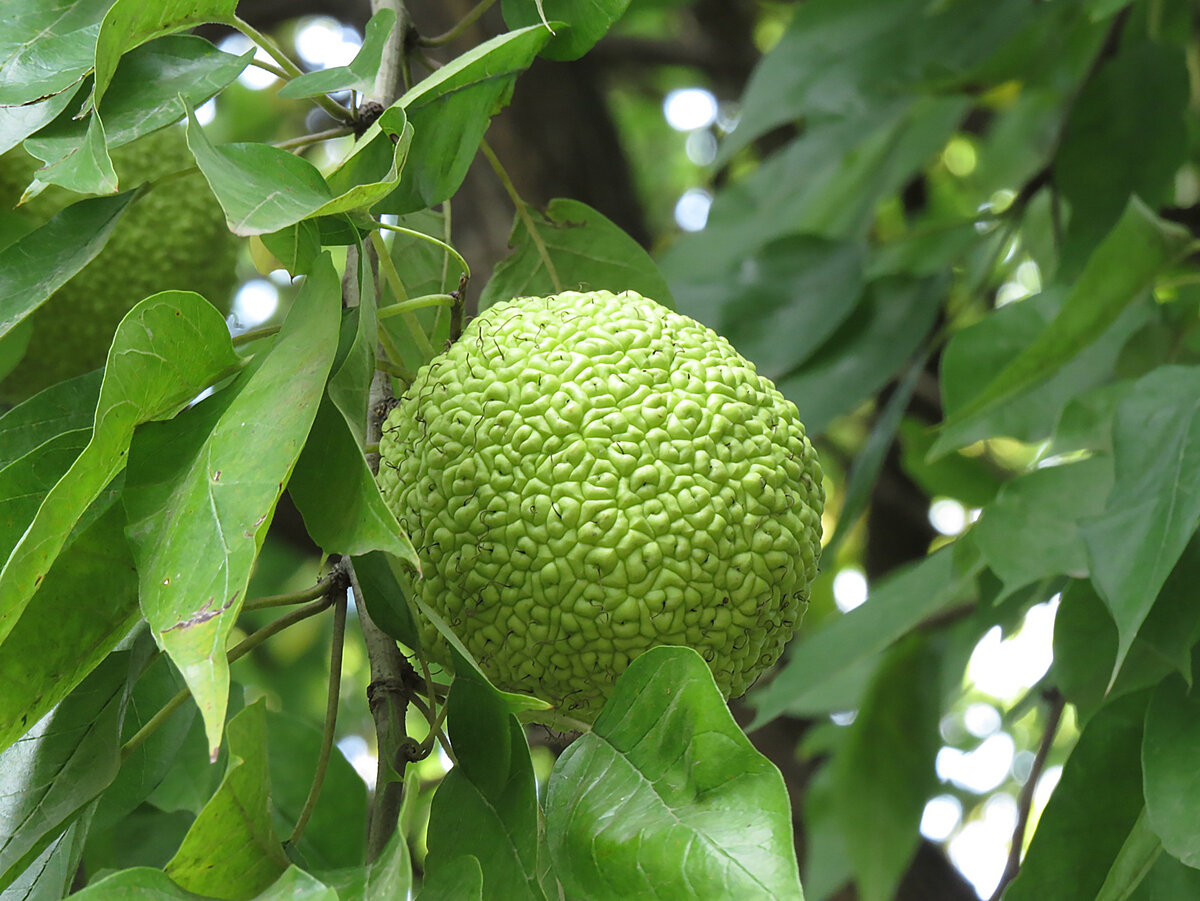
(385, 598)
(1168, 880)
(145, 94)
(667, 797)
(585, 21)
(232, 850)
(869, 348)
(337, 833)
(47, 47)
(359, 75)
(1154, 506)
(1126, 135)
(62, 764)
(44, 260)
(57, 641)
(1125, 264)
(167, 349)
(339, 498)
(25, 482)
(19, 122)
(883, 771)
(1099, 796)
(778, 305)
(350, 385)
(63, 407)
(464, 882)
(586, 252)
(1031, 530)
(973, 480)
(1170, 779)
(203, 487)
(449, 111)
(1137, 857)
(486, 807)
(895, 607)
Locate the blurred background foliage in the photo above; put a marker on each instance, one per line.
(881, 204)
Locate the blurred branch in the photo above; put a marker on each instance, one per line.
(1025, 802)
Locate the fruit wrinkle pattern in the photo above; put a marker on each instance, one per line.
(587, 476)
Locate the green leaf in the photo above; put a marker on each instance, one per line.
(1099, 796)
(896, 606)
(166, 350)
(486, 807)
(25, 482)
(883, 772)
(871, 346)
(145, 883)
(1031, 530)
(585, 21)
(1115, 145)
(44, 260)
(202, 489)
(1154, 506)
(52, 873)
(297, 885)
(19, 122)
(1168, 880)
(385, 599)
(57, 641)
(586, 252)
(89, 170)
(145, 94)
(46, 48)
(338, 497)
(666, 796)
(449, 111)
(131, 23)
(971, 479)
(1125, 264)
(63, 407)
(464, 882)
(232, 850)
(359, 75)
(1170, 780)
(1135, 859)
(62, 764)
(263, 189)
(350, 385)
(779, 304)
(337, 833)
(974, 354)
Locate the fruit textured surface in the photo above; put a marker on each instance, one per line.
(173, 237)
(588, 475)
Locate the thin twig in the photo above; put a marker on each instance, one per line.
(316, 137)
(457, 31)
(1025, 802)
(295, 597)
(331, 711)
(523, 213)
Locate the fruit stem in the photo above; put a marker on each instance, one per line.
(331, 711)
(459, 28)
(416, 303)
(412, 233)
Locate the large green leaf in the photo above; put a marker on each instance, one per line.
(895, 606)
(45, 259)
(167, 349)
(263, 189)
(145, 94)
(883, 770)
(46, 47)
(583, 250)
(1169, 777)
(1125, 264)
(146, 883)
(871, 346)
(63, 407)
(1116, 144)
(1154, 507)
(62, 764)
(1095, 805)
(202, 490)
(19, 122)
(486, 807)
(359, 75)
(666, 797)
(449, 111)
(57, 641)
(232, 850)
(585, 21)
(1031, 530)
(339, 498)
(778, 305)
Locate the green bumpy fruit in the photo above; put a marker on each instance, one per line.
(588, 476)
(173, 237)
